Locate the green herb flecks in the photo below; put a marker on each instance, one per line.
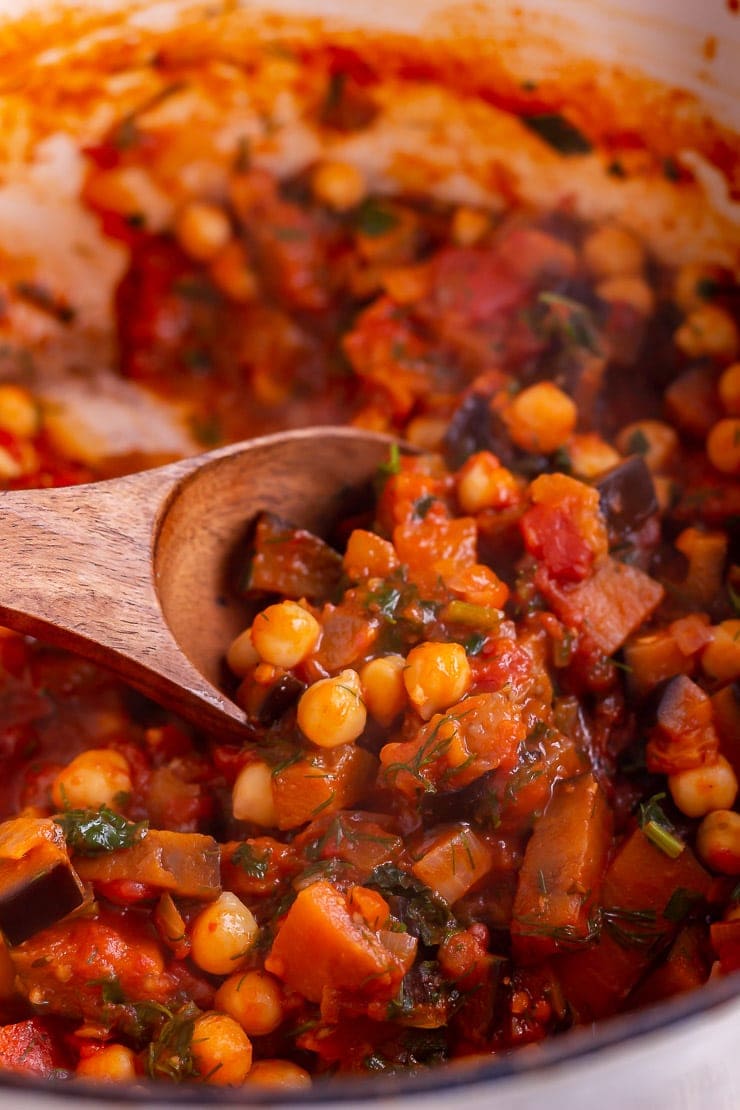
(423, 912)
(473, 616)
(375, 219)
(571, 320)
(658, 829)
(170, 1054)
(252, 863)
(559, 133)
(631, 928)
(90, 832)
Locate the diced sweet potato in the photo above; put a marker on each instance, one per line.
(653, 658)
(638, 888)
(563, 869)
(187, 864)
(323, 781)
(321, 945)
(454, 863)
(609, 606)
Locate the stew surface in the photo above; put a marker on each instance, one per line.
(487, 790)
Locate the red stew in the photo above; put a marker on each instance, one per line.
(488, 790)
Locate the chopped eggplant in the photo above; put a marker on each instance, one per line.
(290, 561)
(38, 884)
(477, 800)
(186, 864)
(627, 498)
(281, 697)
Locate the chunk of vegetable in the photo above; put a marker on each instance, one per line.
(38, 884)
(186, 864)
(454, 863)
(290, 561)
(321, 945)
(563, 869)
(609, 606)
(324, 780)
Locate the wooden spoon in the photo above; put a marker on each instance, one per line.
(133, 573)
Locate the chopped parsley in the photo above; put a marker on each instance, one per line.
(90, 832)
(559, 133)
(252, 863)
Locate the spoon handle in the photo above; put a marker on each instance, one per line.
(76, 569)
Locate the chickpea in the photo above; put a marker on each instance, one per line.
(469, 225)
(338, 185)
(19, 413)
(242, 655)
(436, 676)
(704, 789)
(482, 483)
(718, 841)
(721, 657)
(332, 712)
(279, 1073)
(222, 935)
(610, 252)
(590, 455)
(113, 1064)
(202, 230)
(284, 634)
(233, 274)
(97, 777)
(630, 290)
(383, 689)
(426, 432)
(708, 331)
(222, 1051)
(653, 439)
(723, 445)
(541, 418)
(252, 798)
(728, 388)
(254, 999)
(9, 467)
(368, 556)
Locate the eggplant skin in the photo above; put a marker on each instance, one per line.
(38, 899)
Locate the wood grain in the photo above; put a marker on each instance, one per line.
(133, 572)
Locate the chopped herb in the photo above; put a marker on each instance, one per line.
(528, 86)
(253, 864)
(89, 832)
(422, 506)
(616, 169)
(197, 289)
(638, 443)
(681, 904)
(562, 461)
(170, 1055)
(734, 597)
(111, 991)
(474, 643)
(631, 928)
(658, 829)
(465, 612)
(423, 912)
(373, 219)
(572, 320)
(558, 132)
(127, 134)
(393, 465)
(207, 431)
(324, 805)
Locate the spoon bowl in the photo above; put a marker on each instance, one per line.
(134, 572)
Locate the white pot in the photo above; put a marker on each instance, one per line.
(682, 1055)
